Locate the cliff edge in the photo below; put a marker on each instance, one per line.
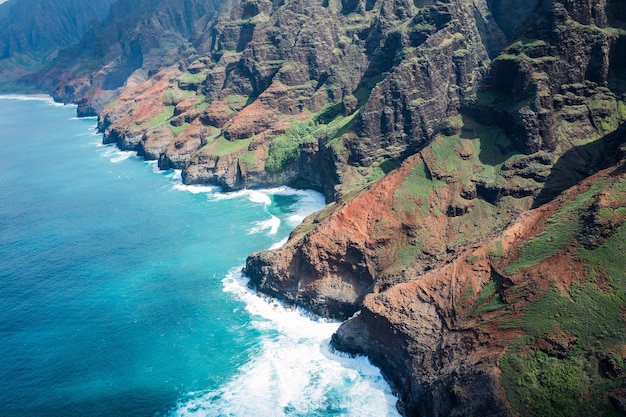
(484, 275)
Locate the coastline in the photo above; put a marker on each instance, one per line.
(256, 197)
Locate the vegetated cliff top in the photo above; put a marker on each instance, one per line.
(447, 136)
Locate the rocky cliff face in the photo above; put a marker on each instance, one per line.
(440, 266)
(447, 136)
(33, 31)
(482, 334)
(349, 88)
(134, 41)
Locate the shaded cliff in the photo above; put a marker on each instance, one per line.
(33, 31)
(348, 89)
(134, 41)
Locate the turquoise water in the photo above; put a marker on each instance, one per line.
(121, 293)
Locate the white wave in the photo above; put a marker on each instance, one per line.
(122, 156)
(86, 134)
(254, 196)
(309, 202)
(176, 176)
(278, 244)
(273, 223)
(34, 97)
(197, 189)
(259, 197)
(294, 373)
(154, 166)
(28, 97)
(114, 154)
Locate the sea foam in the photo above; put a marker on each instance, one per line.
(114, 154)
(29, 97)
(272, 224)
(308, 201)
(294, 373)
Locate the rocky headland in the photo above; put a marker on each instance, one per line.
(473, 154)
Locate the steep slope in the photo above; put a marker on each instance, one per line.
(446, 135)
(414, 255)
(128, 46)
(530, 321)
(348, 88)
(33, 31)
(534, 130)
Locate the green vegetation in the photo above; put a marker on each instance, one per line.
(327, 126)
(443, 156)
(530, 42)
(561, 228)
(379, 170)
(405, 254)
(161, 117)
(477, 153)
(248, 159)
(467, 295)
(543, 386)
(177, 130)
(449, 41)
(554, 370)
(586, 312)
(494, 147)
(285, 149)
(189, 78)
(488, 298)
(237, 101)
(175, 95)
(226, 147)
(414, 192)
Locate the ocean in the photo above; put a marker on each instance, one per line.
(122, 293)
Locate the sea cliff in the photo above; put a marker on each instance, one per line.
(472, 154)
(446, 136)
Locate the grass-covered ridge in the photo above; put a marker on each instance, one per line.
(571, 360)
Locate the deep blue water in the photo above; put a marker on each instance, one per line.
(121, 293)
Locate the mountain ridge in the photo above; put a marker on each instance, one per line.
(33, 31)
(473, 159)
